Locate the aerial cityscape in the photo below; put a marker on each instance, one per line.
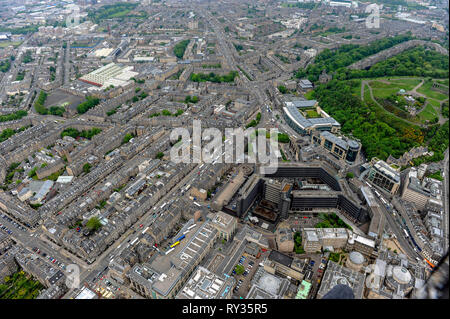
(224, 149)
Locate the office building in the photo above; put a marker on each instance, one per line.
(314, 239)
(384, 176)
(420, 193)
(225, 224)
(343, 148)
(282, 265)
(203, 284)
(305, 126)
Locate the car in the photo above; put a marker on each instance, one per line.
(312, 262)
(44, 254)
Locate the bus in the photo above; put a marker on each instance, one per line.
(174, 244)
(181, 237)
(429, 263)
(406, 233)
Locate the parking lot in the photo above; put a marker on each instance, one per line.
(317, 266)
(49, 258)
(8, 224)
(250, 265)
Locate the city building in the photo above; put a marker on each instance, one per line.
(314, 239)
(267, 286)
(163, 275)
(282, 265)
(420, 193)
(225, 224)
(204, 284)
(304, 126)
(110, 74)
(384, 176)
(339, 275)
(341, 147)
(303, 290)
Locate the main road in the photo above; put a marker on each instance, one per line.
(445, 198)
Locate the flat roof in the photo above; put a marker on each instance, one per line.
(86, 293)
(280, 258)
(294, 114)
(303, 290)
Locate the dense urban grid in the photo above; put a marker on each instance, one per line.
(93, 205)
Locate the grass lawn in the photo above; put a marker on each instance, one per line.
(435, 103)
(445, 82)
(8, 43)
(428, 113)
(312, 114)
(395, 84)
(406, 84)
(308, 95)
(426, 89)
(119, 14)
(382, 90)
(384, 93)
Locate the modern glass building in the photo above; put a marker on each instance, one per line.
(305, 126)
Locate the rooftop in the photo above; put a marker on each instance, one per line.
(204, 284)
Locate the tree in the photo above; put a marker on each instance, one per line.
(88, 104)
(159, 155)
(93, 223)
(350, 175)
(239, 269)
(282, 89)
(87, 168)
(127, 138)
(179, 48)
